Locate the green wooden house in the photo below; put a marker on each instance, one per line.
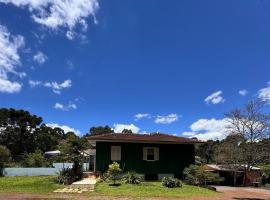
(153, 155)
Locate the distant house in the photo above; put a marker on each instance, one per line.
(154, 156)
(242, 176)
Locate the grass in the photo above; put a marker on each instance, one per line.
(151, 189)
(28, 184)
(46, 185)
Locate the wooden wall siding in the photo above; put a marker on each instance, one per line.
(173, 158)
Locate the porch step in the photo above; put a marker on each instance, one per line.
(89, 175)
(86, 183)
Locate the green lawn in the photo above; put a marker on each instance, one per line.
(151, 189)
(45, 185)
(28, 184)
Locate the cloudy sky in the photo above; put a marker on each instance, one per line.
(173, 67)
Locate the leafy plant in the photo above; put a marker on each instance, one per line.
(66, 176)
(195, 175)
(132, 178)
(113, 173)
(265, 179)
(35, 159)
(171, 182)
(4, 157)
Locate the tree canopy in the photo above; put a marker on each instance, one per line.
(99, 130)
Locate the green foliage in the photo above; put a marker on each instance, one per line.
(171, 182)
(206, 151)
(23, 133)
(265, 174)
(72, 148)
(4, 157)
(127, 131)
(132, 178)
(114, 172)
(35, 159)
(99, 130)
(195, 175)
(67, 176)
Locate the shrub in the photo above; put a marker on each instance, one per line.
(132, 178)
(265, 179)
(67, 176)
(195, 175)
(171, 182)
(113, 173)
(4, 157)
(35, 159)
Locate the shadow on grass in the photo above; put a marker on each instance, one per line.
(115, 185)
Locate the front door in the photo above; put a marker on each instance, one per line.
(92, 163)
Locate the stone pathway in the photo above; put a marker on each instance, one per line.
(84, 185)
(71, 190)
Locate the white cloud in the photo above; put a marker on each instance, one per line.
(206, 129)
(64, 127)
(9, 60)
(56, 87)
(140, 116)
(243, 92)
(166, 119)
(215, 98)
(118, 128)
(40, 57)
(68, 107)
(34, 83)
(264, 93)
(55, 14)
(70, 35)
(7, 86)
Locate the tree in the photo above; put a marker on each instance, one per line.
(99, 130)
(127, 131)
(229, 153)
(253, 125)
(4, 157)
(72, 148)
(17, 128)
(205, 151)
(23, 133)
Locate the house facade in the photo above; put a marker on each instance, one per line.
(154, 156)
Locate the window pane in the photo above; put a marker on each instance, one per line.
(115, 153)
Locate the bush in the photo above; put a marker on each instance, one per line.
(4, 157)
(35, 159)
(132, 178)
(195, 175)
(113, 173)
(265, 179)
(67, 176)
(170, 182)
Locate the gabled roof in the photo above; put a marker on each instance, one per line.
(142, 138)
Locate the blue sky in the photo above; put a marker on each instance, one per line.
(179, 64)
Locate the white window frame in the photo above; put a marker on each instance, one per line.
(156, 153)
(115, 153)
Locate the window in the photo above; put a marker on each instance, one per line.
(115, 153)
(151, 153)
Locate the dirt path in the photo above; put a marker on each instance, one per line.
(226, 193)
